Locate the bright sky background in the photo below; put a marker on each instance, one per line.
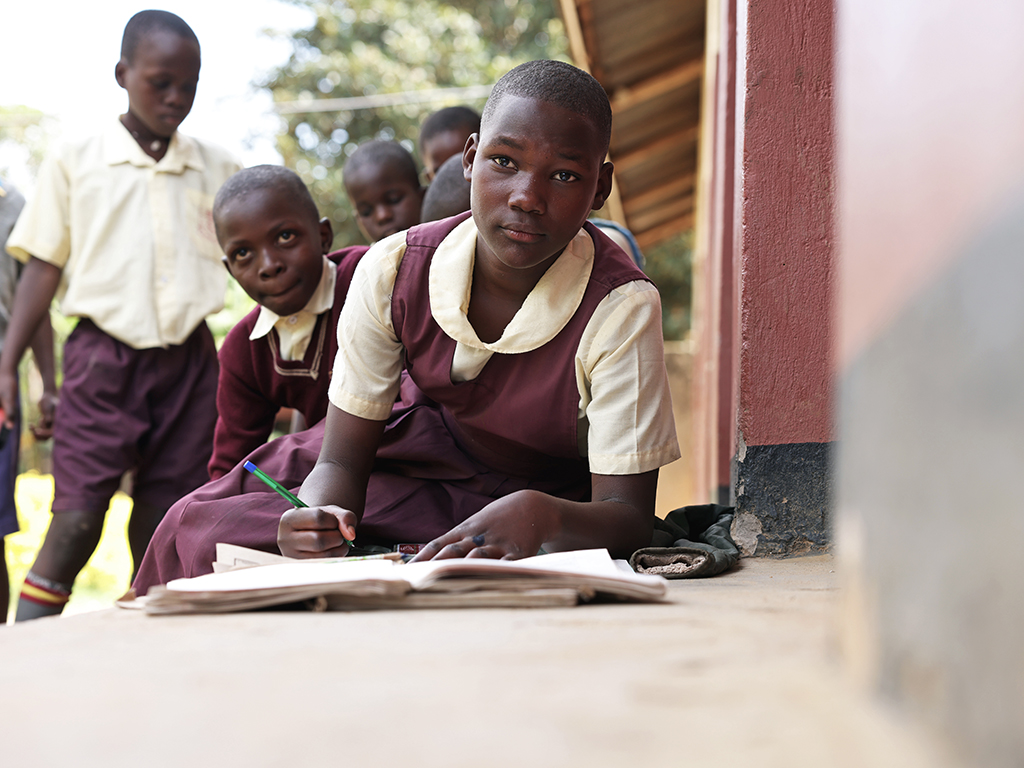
(59, 57)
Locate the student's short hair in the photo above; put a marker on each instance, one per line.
(381, 153)
(263, 177)
(561, 84)
(144, 22)
(448, 193)
(449, 119)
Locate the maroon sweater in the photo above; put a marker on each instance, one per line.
(255, 383)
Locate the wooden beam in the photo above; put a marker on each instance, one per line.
(574, 31)
(613, 208)
(678, 186)
(661, 213)
(676, 140)
(665, 231)
(653, 87)
(592, 41)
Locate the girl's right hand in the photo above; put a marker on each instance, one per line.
(316, 532)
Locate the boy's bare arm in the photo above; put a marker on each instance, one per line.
(335, 490)
(620, 518)
(42, 350)
(36, 289)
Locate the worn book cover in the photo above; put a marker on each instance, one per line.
(248, 579)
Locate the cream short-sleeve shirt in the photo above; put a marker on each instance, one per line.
(626, 424)
(294, 332)
(133, 237)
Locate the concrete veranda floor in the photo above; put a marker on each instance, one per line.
(735, 670)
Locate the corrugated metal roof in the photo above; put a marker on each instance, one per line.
(649, 56)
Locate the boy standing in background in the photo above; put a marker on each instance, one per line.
(120, 231)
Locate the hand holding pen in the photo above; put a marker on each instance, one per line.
(310, 532)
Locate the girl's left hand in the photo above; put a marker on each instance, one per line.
(509, 528)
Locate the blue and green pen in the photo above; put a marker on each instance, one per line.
(295, 500)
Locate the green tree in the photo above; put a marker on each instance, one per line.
(669, 265)
(359, 48)
(24, 135)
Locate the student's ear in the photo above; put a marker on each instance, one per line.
(326, 234)
(119, 70)
(604, 186)
(468, 155)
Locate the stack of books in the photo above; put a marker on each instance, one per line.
(246, 579)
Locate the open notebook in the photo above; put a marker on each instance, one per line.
(248, 579)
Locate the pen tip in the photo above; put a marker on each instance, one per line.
(249, 465)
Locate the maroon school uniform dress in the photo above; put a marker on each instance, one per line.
(255, 383)
(448, 450)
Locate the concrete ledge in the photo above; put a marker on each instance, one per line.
(732, 668)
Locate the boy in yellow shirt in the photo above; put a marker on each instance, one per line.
(120, 231)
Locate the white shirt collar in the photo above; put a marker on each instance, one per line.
(546, 311)
(321, 301)
(182, 151)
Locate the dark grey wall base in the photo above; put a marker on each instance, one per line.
(783, 499)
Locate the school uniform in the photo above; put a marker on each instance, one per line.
(141, 269)
(268, 362)
(576, 385)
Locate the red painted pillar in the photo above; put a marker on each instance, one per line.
(769, 272)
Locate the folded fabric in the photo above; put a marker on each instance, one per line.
(691, 542)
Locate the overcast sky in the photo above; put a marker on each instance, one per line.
(59, 57)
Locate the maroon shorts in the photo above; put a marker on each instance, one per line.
(150, 412)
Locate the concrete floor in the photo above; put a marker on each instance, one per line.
(735, 670)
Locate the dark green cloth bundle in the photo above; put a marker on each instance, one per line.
(691, 542)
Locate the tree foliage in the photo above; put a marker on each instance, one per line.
(669, 265)
(24, 135)
(368, 47)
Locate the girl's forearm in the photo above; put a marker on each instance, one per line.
(620, 518)
(329, 484)
(620, 528)
(346, 460)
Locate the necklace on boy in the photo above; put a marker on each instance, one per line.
(155, 145)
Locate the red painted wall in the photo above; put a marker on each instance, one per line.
(765, 282)
(786, 251)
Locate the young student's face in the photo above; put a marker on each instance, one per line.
(274, 248)
(537, 170)
(384, 198)
(440, 147)
(161, 81)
